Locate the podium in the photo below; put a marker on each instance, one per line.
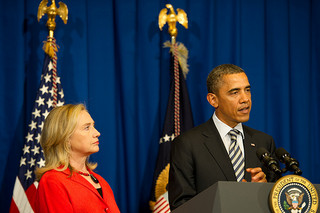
(231, 197)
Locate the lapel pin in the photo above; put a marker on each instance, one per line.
(253, 145)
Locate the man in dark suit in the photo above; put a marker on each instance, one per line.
(202, 156)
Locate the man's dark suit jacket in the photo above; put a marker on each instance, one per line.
(200, 159)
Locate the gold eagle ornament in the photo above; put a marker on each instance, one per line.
(172, 18)
(52, 11)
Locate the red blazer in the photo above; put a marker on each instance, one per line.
(57, 192)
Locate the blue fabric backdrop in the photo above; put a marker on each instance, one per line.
(111, 58)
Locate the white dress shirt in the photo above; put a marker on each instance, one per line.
(224, 130)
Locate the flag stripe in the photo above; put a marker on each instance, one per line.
(162, 205)
(159, 204)
(20, 198)
(13, 207)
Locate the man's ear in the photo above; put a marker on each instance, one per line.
(213, 100)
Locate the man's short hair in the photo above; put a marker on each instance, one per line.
(214, 79)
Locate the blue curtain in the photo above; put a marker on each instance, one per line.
(111, 58)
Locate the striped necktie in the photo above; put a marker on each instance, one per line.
(236, 156)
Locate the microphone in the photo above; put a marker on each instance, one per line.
(265, 157)
(291, 163)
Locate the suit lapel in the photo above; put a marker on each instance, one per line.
(216, 148)
(250, 152)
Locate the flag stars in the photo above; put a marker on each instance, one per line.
(40, 101)
(48, 96)
(38, 138)
(41, 163)
(166, 138)
(44, 89)
(50, 66)
(28, 174)
(32, 162)
(41, 125)
(50, 102)
(61, 94)
(22, 161)
(47, 78)
(60, 103)
(29, 137)
(32, 153)
(58, 80)
(172, 137)
(33, 125)
(26, 149)
(36, 150)
(36, 113)
(51, 91)
(45, 114)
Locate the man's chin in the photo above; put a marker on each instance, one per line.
(244, 119)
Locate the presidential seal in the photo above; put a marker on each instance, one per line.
(293, 194)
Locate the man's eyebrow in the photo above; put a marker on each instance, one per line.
(234, 89)
(237, 89)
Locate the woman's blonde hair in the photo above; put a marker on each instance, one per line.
(57, 130)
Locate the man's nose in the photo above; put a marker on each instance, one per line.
(244, 97)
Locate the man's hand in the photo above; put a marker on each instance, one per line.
(257, 175)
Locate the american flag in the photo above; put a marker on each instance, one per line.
(178, 119)
(49, 95)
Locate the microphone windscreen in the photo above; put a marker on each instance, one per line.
(281, 152)
(261, 151)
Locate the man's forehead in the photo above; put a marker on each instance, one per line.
(236, 79)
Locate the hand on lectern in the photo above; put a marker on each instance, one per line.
(257, 175)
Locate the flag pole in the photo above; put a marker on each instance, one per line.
(52, 11)
(172, 18)
(178, 116)
(50, 47)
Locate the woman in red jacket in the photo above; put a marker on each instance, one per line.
(67, 181)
